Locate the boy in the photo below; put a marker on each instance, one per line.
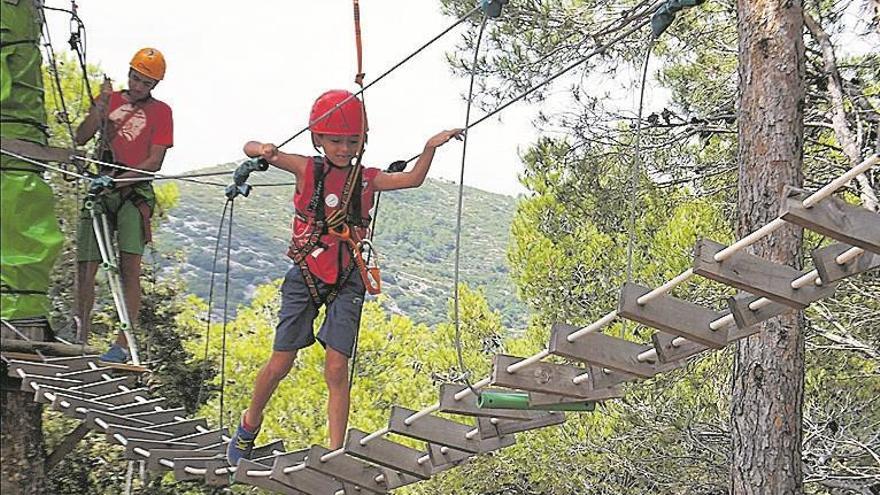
(138, 130)
(331, 194)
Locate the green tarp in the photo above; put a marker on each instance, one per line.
(30, 239)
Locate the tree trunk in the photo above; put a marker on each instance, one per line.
(22, 455)
(768, 374)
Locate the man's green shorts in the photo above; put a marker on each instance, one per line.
(123, 217)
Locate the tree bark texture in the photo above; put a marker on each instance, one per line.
(22, 455)
(768, 374)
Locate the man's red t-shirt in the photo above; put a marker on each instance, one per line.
(134, 127)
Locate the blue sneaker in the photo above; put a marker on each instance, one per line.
(240, 445)
(116, 354)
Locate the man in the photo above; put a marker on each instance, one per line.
(137, 130)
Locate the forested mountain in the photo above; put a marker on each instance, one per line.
(415, 236)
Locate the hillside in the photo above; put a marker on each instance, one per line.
(414, 236)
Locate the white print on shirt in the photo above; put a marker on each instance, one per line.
(134, 124)
(332, 200)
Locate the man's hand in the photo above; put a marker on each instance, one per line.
(103, 99)
(444, 137)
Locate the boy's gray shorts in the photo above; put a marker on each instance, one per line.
(296, 319)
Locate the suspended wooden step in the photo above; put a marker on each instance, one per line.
(161, 416)
(672, 315)
(180, 464)
(94, 417)
(217, 472)
(467, 405)
(756, 275)
(444, 432)
(543, 377)
(386, 453)
(102, 387)
(747, 319)
(206, 438)
(346, 468)
(154, 461)
(132, 432)
(119, 398)
(305, 480)
(834, 218)
(40, 394)
(444, 458)
(241, 476)
(601, 350)
(494, 428)
(182, 427)
(830, 271)
(668, 353)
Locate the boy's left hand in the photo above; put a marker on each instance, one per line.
(444, 137)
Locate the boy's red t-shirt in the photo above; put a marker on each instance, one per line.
(134, 127)
(324, 260)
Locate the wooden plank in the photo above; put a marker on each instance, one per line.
(824, 259)
(386, 453)
(37, 152)
(162, 416)
(671, 315)
(110, 418)
(33, 368)
(306, 480)
(505, 427)
(439, 430)
(601, 350)
(261, 482)
(89, 375)
(50, 348)
(147, 406)
(833, 218)
(444, 458)
(149, 445)
(138, 432)
(467, 406)
(756, 275)
(107, 386)
(66, 446)
(75, 407)
(346, 468)
(667, 353)
(156, 455)
(747, 319)
(40, 380)
(272, 448)
(540, 377)
(396, 480)
(75, 362)
(40, 394)
(605, 378)
(181, 428)
(126, 397)
(205, 438)
(213, 478)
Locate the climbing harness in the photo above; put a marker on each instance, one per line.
(109, 262)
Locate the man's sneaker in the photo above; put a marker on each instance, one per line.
(241, 444)
(116, 354)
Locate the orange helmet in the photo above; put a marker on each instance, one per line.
(347, 119)
(149, 62)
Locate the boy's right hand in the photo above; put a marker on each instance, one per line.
(268, 151)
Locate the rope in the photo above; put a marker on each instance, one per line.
(56, 78)
(595, 51)
(225, 314)
(634, 175)
(384, 74)
(456, 271)
(43, 165)
(211, 302)
(150, 174)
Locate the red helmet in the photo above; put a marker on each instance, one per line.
(346, 120)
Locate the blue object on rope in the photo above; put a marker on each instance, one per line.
(239, 186)
(662, 19)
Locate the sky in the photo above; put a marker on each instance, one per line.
(250, 70)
